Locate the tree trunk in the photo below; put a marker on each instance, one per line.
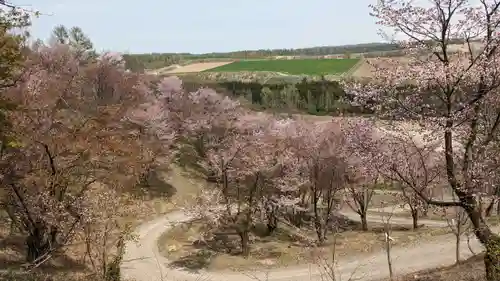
(480, 205)
(484, 234)
(425, 210)
(414, 216)
(35, 248)
(271, 227)
(320, 233)
(364, 221)
(39, 242)
(272, 222)
(489, 209)
(13, 227)
(457, 247)
(245, 243)
(318, 226)
(388, 255)
(498, 208)
(303, 199)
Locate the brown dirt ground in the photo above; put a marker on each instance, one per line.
(440, 215)
(197, 67)
(182, 249)
(379, 200)
(366, 70)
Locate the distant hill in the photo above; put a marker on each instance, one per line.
(312, 51)
(139, 62)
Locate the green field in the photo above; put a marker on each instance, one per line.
(296, 66)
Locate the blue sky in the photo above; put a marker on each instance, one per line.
(209, 26)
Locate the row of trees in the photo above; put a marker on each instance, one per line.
(265, 169)
(315, 97)
(460, 144)
(312, 97)
(140, 62)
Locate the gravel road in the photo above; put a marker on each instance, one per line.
(143, 262)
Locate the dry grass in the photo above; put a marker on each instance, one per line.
(196, 67)
(367, 70)
(181, 247)
(177, 187)
(468, 270)
(40, 275)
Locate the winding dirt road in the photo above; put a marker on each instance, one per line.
(143, 262)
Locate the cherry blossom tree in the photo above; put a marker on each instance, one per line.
(458, 222)
(415, 169)
(317, 166)
(362, 152)
(241, 155)
(69, 134)
(452, 93)
(233, 147)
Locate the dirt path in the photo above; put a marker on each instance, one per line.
(143, 262)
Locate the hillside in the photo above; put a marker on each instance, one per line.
(158, 60)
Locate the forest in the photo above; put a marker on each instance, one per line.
(312, 97)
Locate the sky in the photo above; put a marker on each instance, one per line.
(204, 26)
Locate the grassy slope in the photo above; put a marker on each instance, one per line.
(468, 270)
(297, 66)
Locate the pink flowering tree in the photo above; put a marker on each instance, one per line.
(316, 171)
(197, 118)
(363, 154)
(416, 170)
(65, 140)
(241, 156)
(449, 82)
(234, 146)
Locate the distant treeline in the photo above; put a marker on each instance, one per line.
(313, 51)
(314, 97)
(140, 62)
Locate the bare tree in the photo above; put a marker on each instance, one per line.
(359, 200)
(387, 225)
(414, 170)
(329, 177)
(363, 152)
(459, 225)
